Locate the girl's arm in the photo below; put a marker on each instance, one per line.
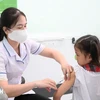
(64, 87)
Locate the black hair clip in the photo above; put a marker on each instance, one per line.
(73, 40)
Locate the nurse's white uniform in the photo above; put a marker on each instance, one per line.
(11, 64)
(87, 85)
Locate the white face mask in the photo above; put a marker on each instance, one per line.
(18, 35)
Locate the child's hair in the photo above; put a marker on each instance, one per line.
(89, 44)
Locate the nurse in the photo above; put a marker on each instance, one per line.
(15, 50)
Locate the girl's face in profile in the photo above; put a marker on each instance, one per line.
(81, 58)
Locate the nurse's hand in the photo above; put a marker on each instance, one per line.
(46, 83)
(67, 70)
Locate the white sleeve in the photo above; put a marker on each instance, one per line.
(77, 70)
(3, 74)
(35, 47)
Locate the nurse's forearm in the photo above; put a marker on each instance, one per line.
(16, 90)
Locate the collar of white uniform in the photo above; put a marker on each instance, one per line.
(12, 52)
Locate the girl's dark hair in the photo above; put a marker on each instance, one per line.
(89, 44)
(8, 18)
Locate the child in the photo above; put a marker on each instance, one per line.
(85, 78)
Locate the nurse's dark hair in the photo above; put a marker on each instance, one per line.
(9, 17)
(89, 44)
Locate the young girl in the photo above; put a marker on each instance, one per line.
(85, 78)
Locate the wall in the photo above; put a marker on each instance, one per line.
(7, 3)
(61, 17)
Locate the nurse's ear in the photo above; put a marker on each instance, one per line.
(6, 30)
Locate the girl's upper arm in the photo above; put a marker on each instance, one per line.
(3, 83)
(66, 85)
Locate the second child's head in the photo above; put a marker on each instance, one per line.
(87, 49)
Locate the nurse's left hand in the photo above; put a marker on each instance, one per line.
(67, 70)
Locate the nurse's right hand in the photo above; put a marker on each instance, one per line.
(46, 83)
